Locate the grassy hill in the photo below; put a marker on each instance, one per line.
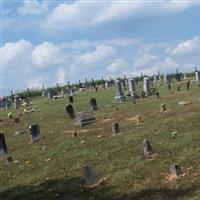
(51, 168)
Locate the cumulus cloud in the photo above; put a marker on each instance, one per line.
(46, 55)
(145, 61)
(84, 14)
(61, 76)
(62, 62)
(90, 59)
(189, 46)
(33, 7)
(16, 53)
(118, 65)
(35, 83)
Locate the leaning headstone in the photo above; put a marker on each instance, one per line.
(163, 107)
(71, 99)
(93, 104)
(175, 170)
(147, 148)
(84, 118)
(132, 89)
(70, 111)
(35, 132)
(115, 128)
(3, 146)
(119, 95)
(89, 175)
(146, 85)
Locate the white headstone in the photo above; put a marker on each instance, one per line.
(146, 85)
(132, 89)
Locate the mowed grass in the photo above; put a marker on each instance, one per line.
(55, 173)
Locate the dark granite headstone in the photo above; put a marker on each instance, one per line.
(35, 132)
(3, 146)
(115, 128)
(71, 99)
(93, 104)
(147, 147)
(70, 111)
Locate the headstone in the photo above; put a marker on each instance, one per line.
(147, 148)
(188, 85)
(9, 159)
(158, 95)
(169, 86)
(160, 78)
(146, 85)
(197, 74)
(71, 99)
(178, 88)
(119, 95)
(35, 132)
(115, 128)
(7, 106)
(163, 107)
(50, 94)
(93, 104)
(138, 119)
(165, 78)
(89, 175)
(84, 118)
(12, 96)
(45, 93)
(17, 103)
(132, 89)
(74, 134)
(175, 170)
(70, 111)
(3, 146)
(155, 78)
(16, 120)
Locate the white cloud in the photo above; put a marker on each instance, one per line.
(47, 54)
(66, 61)
(187, 47)
(145, 61)
(61, 76)
(90, 59)
(16, 54)
(84, 14)
(35, 83)
(118, 65)
(33, 7)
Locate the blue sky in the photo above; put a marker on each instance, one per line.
(45, 42)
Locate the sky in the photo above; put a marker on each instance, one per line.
(49, 42)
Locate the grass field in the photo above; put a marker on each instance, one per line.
(55, 173)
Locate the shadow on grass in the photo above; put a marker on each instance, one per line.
(70, 189)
